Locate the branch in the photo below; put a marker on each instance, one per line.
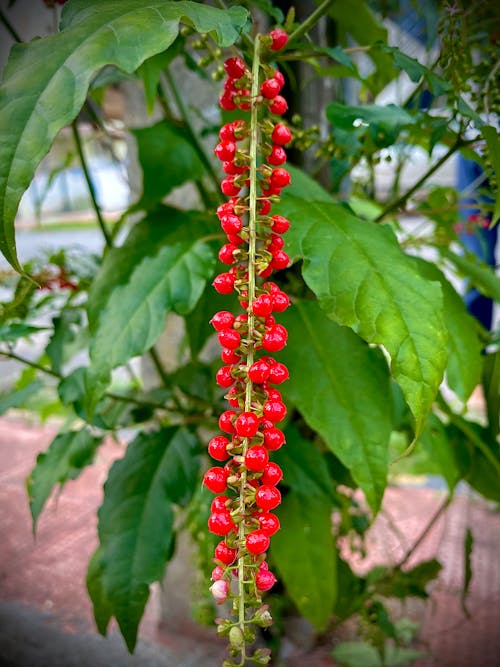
(9, 27)
(309, 22)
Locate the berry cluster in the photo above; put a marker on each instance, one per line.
(251, 153)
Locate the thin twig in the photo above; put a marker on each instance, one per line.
(10, 28)
(310, 21)
(442, 508)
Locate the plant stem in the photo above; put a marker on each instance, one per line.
(444, 505)
(90, 184)
(192, 134)
(308, 23)
(397, 203)
(155, 358)
(9, 27)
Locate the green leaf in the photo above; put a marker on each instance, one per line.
(67, 455)
(400, 655)
(493, 143)
(103, 610)
(468, 546)
(341, 387)
(141, 284)
(363, 280)
(305, 556)
(16, 399)
(477, 457)
(123, 33)
(306, 469)
(151, 69)
(13, 331)
(357, 654)
(415, 70)
(491, 384)
(465, 362)
(168, 159)
(198, 326)
(64, 334)
(384, 122)
(481, 275)
(401, 584)
(136, 530)
(435, 443)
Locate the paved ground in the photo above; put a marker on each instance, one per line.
(45, 615)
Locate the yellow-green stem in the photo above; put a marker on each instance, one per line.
(252, 238)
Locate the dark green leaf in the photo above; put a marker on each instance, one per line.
(493, 143)
(305, 556)
(351, 591)
(357, 654)
(159, 469)
(468, 546)
(16, 399)
(415, 70)
(67, 455)
(401, 584)
(103, 610)
(477, 457)
(384, 122)
(12, 331)
(168, 159)
(64, 334)
(94, 34)
(341, 386)
(481, 275)
(491, 384)
(338, 54)
(128, 314)
(151, 69)
(434, 441)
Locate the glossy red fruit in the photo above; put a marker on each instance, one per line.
(271, 474)
(278, 373)
(275, 411)
(274, 438)
(215, 479)
(279, 78)
(219, 504)
(224, 283)
(231, 169)
(269, 523)
(279, 39)
(226, 253)
(257, 542)
(226, 421)
(226, 100)
(281, 134)
(229, 356)
(278, 106)
(233, 397)
(229, 338)
(270, 88)
(217, 573)
(267, 497)
(256, 458)
(222, 320)
(280, 224)
(277, 155)
(274, 338)
(229, 187)
(247, 425)
(262, 305)
(259, 371)
(265, 580)
(280, 178)
(225, 150)
(280, 260)
(225, 554)
(264, 206)
(223, 377)
(220, 523)
(235, 67)
(280, 301)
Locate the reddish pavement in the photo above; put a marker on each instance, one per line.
(48, 575)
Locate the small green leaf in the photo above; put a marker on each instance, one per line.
(357, 654)
(385, 122)
(151, 69)
(135, 528)
(16, 399)
(481, 275)
(305, 556)
(64, 334)
(341, 387)
(168, 159)
(67, 455)
(93, 34)
(493, 143)
(13, 331)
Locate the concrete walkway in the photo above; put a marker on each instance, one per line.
(46, 618)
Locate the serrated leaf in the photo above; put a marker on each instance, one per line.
(135, 528)
(16, 399)
(94, 34)
(363, 280)
(341, 387)
(13, 331)
(465, 360)
(129, 314)
(306, 468)
(67, 455)
(481, 275)
(167, 158)
(305, 556)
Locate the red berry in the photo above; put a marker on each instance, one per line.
(256, 458)
(226, 421)
(280, 302)
(280, 178)
(277, 243)
(229, 338)
(226, 100)
(279, 78)
(229, 356)
(220, 523)
(257, 542)
(278, 106)
(278, 373)
(226, 253)
(229, 187)
(217, 573)
(219, 503)
(247, 425)
(281, 134)
(280, 260)
(269, 523)
(279, 39)
(264, 580)
(274, 438)
(225, 554)
(273, 394)
(223, 377)
(271, 474)
(267, 497)
(222, 320)
(264, 206)
(225, 208)
(274, 410)
(274, 338)
(259, 371)
(270, 88)
(233, 397)
(225, 150)
(277, 155)
(224, 283)
(235, 67)
(280, 224)
(226, 132)
(215, 479)
(262, 305)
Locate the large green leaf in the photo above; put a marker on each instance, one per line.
(363, 280)
(465, 362)
(341, 387)
(68, 454)
(94, 34)
(140, 283)
(159, 470)
(167, 159)
(305, 556)
(385, 122)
